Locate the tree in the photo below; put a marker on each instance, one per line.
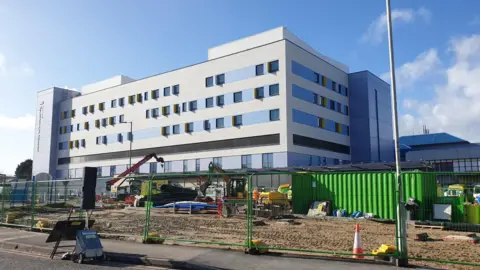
(24, 169)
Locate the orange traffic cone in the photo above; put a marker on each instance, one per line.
(357, 244)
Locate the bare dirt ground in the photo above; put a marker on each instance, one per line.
(335, 235)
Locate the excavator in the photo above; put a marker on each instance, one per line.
(235, 198)
(123, 181)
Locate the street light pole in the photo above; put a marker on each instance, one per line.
(401, 222)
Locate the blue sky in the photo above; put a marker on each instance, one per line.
(74, 43)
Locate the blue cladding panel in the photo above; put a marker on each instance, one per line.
(257, 161)
(305, 118)
(280, 160)
(240, 74)
(204, 163)
(147, 133)
(177, 166)
(302, 93)
(233, 162)
(256, 117)
(303, 71)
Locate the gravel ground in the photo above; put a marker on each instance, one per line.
(317, 234)
(17, 261)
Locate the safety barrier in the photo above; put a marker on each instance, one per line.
(243, 210)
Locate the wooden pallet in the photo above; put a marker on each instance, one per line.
(432, 227)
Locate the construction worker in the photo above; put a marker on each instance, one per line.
(289, 196)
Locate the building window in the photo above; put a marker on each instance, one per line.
(321, 122)
(338, 127)
(339, 88)
(104, 122)
(334, 86)
(165, 131)
(219, 123)
(83, 143)
(176, 89)
(316, 77)
(237, 120)
(332, 105)
(315, 98)
(274, 115)
(121, 118)
(273, 66)
(274, 90)
(77, 144)
(176, 108)
(120, 137)
(166, 110)
(112, 170)
(237, 97)
(209, 102)
(131, 99)
(147, 114)
(145, 96)
(176, 129)
(346, 91)
(72, 113)
(267, 160)
(121, 102)
(185, 166)
(86, 125)
(189, 127)
(85, 110)
(168, 166)
(166, 91)
(92, 109)
(346, 110)
(139, 98)
(339, 107)
(112, 120)
(155, 94)
(130, 136)
(220, 79)
(113, 103)
(60, 146)
(324, 102)
(99, 171)
(324, 81)
(197, 165)
(209, 82)
(98, 140)
(220, 100)
(347, 130)
(193, 105)
(104, 139)
(153, 167)
(155, 113)
(97, 123)
(217, 161)
(206, 125)
(259, 70)
(78, 127)
(246, 161)
(258, 93)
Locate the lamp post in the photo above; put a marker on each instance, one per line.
(130, 138)
(401, 226)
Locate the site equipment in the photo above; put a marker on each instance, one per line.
(235, 198)
(458, 190)
(88, 247)
(118, 182)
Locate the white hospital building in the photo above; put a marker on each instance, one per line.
(264, 101)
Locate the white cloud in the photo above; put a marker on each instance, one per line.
(424, 64)
(378, 28)
(23, 69)
(26, 122)
(454, 108)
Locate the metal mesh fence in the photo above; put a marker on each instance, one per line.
(444, 220)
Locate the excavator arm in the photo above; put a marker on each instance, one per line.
(117, 181)
(211, 170)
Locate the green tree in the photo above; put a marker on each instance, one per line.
(24, 169)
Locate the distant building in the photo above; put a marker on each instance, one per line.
(268, 100)
(446, 152)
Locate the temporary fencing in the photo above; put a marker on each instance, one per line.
(242, 209)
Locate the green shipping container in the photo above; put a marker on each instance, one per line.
(369, 192)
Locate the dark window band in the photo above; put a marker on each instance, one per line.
(272, 139)
(320, 144)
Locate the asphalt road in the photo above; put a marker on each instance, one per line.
(21, 261)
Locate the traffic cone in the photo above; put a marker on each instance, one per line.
(357, 244)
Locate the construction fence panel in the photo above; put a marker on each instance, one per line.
(18, 203)
(179, 213)
(443, 221)
(324, 213)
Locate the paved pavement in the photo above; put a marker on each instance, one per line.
(179, 257)
(19, 261)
